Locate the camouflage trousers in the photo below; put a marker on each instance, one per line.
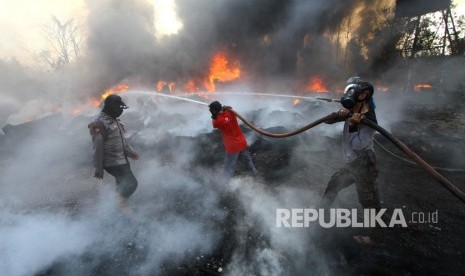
(363, 172)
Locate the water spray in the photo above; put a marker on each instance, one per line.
(182, 96)
(267, 95)
(255, 94)
(333, 116)
(329, 100)
(168, 96)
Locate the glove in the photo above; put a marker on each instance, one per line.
(343, 112)
(356, 118)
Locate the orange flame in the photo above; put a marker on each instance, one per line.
(297, 102)
(96, 103)
(76, 111)
(121, 87)
(160, 85)
(418, 87)
(171, 86)
(191, 86)
(381, 88)
(222, 70)
(316, 85)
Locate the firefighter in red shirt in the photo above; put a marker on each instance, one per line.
(233, 139)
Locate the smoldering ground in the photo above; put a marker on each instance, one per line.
(56, 219)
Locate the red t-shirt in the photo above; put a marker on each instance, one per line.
(233, 138)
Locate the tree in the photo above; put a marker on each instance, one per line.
(433, 34)
(64, 41)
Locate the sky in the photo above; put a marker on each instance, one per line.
(21, 22)
(126, 49)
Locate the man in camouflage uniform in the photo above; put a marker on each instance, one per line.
(111, 149)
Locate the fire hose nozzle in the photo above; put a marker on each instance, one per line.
(329, 100)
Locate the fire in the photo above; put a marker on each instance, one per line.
(316, 85)
(171, 86)
(297, 102)
(121, 87)
(96, 103)
(76, 111)
(381, 88)
(162, 84)
(221, 70)
(191, 86)
(419, 87)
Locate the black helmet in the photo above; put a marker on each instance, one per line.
(364, 85)
(115, 100)
(354, 80)
(114, 106)
(215, 106)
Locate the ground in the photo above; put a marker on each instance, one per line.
(304, 164)
(420, 248)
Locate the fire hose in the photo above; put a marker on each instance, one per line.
(411, 162)
(330, 117)
(417, 159)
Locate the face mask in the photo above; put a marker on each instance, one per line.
(118, 111)
(114, 106)
(351, 96)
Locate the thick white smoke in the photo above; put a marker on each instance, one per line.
(56, 218)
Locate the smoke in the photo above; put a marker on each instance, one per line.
(56, 219)
(273, 250)
(55, 216)
(121, 44)
(265, 36)
(279, 45)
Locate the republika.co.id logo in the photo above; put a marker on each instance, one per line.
(339, 217)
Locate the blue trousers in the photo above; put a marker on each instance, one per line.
(230, 161)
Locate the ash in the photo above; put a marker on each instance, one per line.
(57, 220)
